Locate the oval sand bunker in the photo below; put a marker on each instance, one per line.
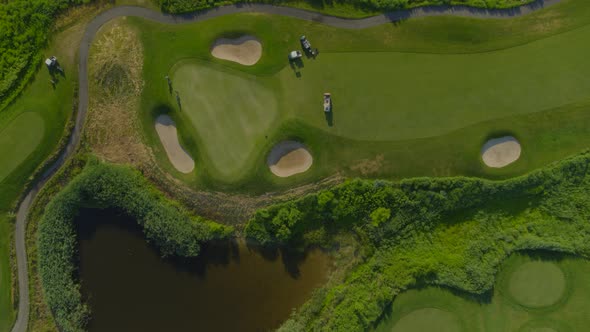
(500, 152)
(289, 158)
(180, 159)
(245, 50)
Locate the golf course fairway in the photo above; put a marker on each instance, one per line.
(534, 291)
(396, 102)
(18, 140)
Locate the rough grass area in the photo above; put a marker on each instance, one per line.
(415, 98)
(115, 66)
(496, 312)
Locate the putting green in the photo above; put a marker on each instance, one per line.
(18, 140)
(499, 313)
(537, 284)
(231, 112)
(428, 319)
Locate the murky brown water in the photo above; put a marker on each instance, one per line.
(230, 287)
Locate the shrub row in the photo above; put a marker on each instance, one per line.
(165, 224)
(183, 6)
(446, 231)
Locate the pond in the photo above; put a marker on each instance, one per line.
(231, 286)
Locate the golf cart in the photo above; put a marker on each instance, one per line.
(294, 55)
(52, 64)
(307, 46)
(327, 102)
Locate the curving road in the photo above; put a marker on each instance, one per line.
(91, 29)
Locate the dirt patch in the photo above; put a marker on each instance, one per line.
(500, 152)
(177, 155)
(289, 158)
(369, 166)
(245, 50)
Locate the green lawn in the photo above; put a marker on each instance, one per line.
(498, 311)
(18, 140)
(526, 281)
(416, 98)
(30, 129)
(7, 314)
(399, 96)
(231, 113)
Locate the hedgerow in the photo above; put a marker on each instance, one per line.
(183, 6)
(167, 225)
(445, 231)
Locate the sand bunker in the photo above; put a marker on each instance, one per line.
(245, 50)
(500, 152)
(289, 158)
(179, 158)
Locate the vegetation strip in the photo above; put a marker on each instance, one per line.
(23, 307)
(164, 223)
(451, 232)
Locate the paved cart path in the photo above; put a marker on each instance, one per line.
(91, 29)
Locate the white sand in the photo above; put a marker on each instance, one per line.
(178, 156)
(289, 158)
(245, 50)
(500, 152)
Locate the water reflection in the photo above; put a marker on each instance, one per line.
(231, 286)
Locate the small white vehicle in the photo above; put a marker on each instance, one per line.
(295, 55)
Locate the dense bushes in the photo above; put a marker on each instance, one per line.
(450, 231)
(165, 224)
(182, 6)
(24, 30)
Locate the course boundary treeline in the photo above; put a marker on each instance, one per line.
(351, 8)
(398, 224)
(165, 223)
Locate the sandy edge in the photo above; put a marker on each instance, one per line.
(245, 50)
(288, 158)
(180, 159)
(500, 152)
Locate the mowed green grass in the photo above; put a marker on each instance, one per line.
(416, 98)
(230, 111)
(498, 312)
(18, 140)
(537, 284)
(7, 314)
(428, 319)
(30, 129)
(400, 96)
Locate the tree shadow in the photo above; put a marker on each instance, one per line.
(291, 259)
